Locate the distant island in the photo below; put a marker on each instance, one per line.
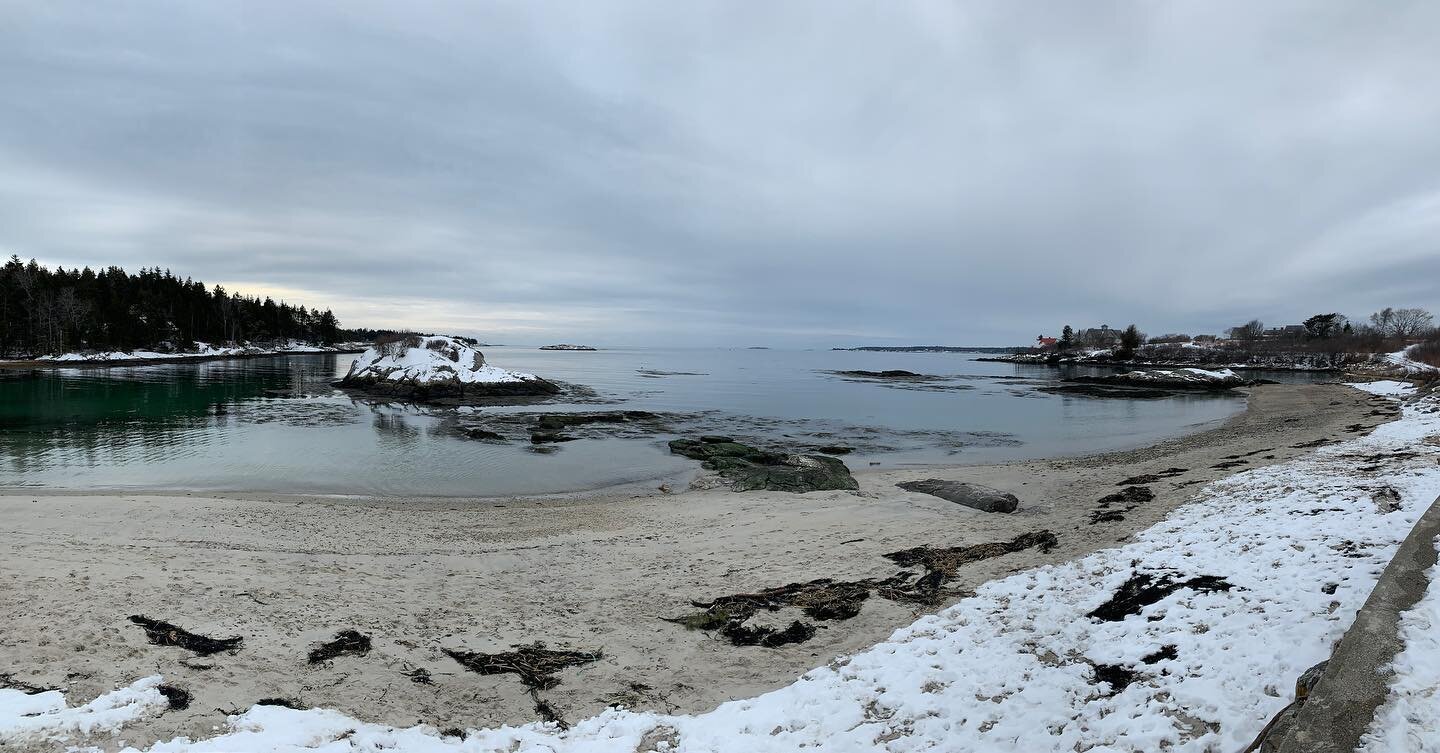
(566, 346)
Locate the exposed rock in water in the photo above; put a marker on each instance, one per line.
(1106, 390)
(1173, 379)
(559, 421)
(437, 369)
(887, 374)
(982, 498)
(748, 468)
(484, 435)
(835, 449)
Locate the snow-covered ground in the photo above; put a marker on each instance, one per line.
(1013, 668)
(432, 360)
(1403, 360)
(1409, 720)
(202, 350)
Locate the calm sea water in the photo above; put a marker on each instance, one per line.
(225, 426)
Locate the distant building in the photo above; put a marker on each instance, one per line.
(1102, 336)
(1287, 332)
(1045, 343)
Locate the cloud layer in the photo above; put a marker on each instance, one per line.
(803, 173)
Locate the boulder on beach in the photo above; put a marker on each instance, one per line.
(748, 468)
(431, 368)
(982, 498)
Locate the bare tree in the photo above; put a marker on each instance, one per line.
(1251, 330)
(1402, 323)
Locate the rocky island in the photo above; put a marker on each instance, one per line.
(437, 369)
(566, 346)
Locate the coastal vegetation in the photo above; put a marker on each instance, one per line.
(44, 311)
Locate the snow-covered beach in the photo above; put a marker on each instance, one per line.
(1012, 668)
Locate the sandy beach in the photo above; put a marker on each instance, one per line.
(588, 572)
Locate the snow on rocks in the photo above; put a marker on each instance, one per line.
(27, 717)
(1409, 720)
(1188, 378)
(1017, 666)
(437, 367)
(201, 351)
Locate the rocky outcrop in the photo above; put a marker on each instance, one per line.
(1152, 383)
(747, 468)
(566, 346)
(437, 369)
(982, 498)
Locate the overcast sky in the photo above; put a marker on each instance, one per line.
(792, 173)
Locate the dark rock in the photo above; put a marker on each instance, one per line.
(543, 437)
(748, 468)
(1105, 390)
(835, 449)
(888, 374)
(484, 434)
(982, 498)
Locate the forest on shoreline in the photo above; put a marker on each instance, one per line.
(44, 311)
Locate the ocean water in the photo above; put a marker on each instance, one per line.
(239, 426)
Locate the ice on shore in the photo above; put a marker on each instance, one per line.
(1013, 668)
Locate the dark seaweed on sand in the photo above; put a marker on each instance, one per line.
(162, 633)
(347, 642)
(535, 664)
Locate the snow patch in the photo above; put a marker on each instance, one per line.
(46, 715)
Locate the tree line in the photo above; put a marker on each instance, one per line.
(1386, 329)
(44, 311)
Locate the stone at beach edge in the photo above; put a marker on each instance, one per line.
(982, 498)
(750, 469)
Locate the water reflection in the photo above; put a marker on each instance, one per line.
(276, 424)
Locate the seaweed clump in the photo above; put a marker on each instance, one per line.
(346, 643)
(1144, 589)
(826, 599)
(162, 633)
(535, 664)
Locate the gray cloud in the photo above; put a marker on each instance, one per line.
(798, 173)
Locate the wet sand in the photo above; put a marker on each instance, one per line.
(588, 572)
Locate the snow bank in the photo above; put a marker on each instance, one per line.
(202, 350)
(429, 361)
(1409, 720)
(45, 716)
(1013, 667)
(1402, 360)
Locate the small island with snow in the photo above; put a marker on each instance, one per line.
(437, 369)
(566, 346)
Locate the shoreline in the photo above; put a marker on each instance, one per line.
(179, 358)
(482, 575)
